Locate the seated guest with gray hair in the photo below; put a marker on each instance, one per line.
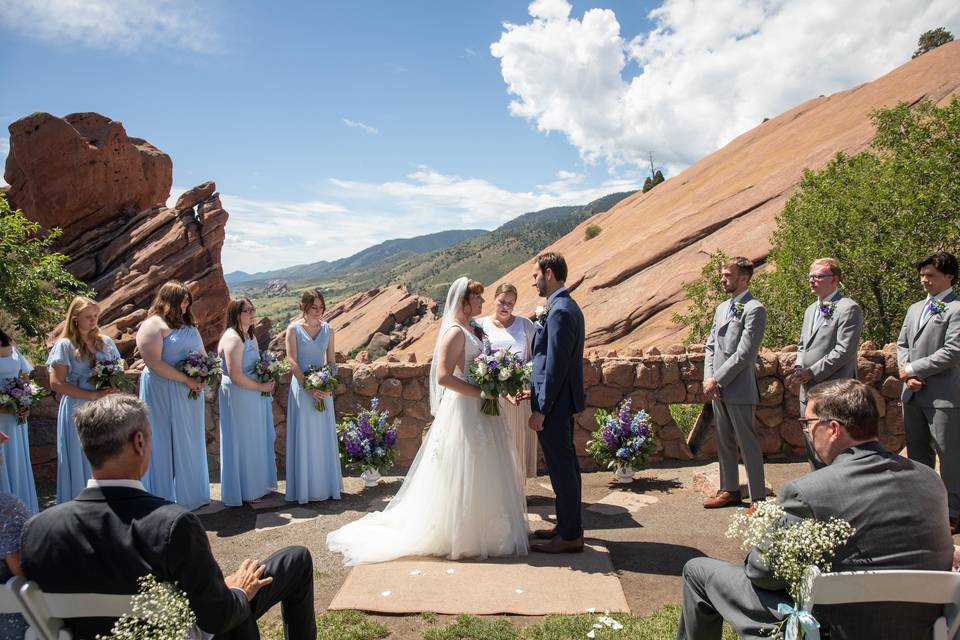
(897, 507)
(114, 532)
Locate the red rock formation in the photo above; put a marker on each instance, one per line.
(83, 174)
(628, 279)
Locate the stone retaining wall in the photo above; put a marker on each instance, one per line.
(652, 380)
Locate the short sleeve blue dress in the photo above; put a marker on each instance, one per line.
(16, 472)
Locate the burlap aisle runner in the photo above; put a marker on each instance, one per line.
(538, 584)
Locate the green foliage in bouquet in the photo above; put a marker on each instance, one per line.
(622, 439)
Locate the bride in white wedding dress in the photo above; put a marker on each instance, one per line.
(460, 498)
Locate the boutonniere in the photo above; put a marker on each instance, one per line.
(827, 309)
(936, 307)
(542, 312)
(738, 310)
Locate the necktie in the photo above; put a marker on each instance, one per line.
(733, 308)
(926, 311)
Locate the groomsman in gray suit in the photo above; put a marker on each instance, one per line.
(898, 511)
(730, 382)
(828, 338)
(928, 352)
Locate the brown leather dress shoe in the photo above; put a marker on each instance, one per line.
(559, 545)
(545, 534)
(723, 499)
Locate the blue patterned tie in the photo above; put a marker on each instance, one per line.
(733, 308)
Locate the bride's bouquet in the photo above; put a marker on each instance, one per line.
(201, 366)
(498, 373)
(18, 395)
(789, 550)
(623, 440)
(321, 379)
(367, 440)
(111, 373)
(270, 368)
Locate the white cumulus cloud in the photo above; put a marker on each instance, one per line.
(708, 71)
(353, 124)
(114, 24)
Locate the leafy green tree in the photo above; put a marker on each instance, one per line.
(704, 295)
(647, 185)
(876, 212)
(658, 177)
(35, 289)
(932, 39)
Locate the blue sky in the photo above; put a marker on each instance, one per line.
(329, 126)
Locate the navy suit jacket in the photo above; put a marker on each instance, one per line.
(557, 376)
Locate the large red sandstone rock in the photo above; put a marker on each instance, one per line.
(358, 318)
(628, 279)
(83, 174)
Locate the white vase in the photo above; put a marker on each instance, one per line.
(624, 475)
(370, 477)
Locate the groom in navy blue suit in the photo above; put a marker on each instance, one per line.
(557, 394)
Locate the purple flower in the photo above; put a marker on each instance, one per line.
(390, 438)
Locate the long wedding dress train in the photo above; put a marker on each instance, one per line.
(460, 498)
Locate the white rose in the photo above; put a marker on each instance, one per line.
(541, 310)
(504, 374)
(481, 369)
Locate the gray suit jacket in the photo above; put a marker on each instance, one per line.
(732, 348)
(898, 509)
(933, 350)
(829, 350)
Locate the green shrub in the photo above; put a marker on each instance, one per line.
(592, 232)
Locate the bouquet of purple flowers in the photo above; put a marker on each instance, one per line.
(623, 439)
(203, 367)
(270, 368)
(17, 395)
(498, 373)
(110, 373)
(321, 379)
(367, 440)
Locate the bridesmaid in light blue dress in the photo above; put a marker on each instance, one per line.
(16, 472)
(313, 457)
(248, 467)
(178, 461)
(71, 361)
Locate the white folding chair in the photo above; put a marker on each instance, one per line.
(48, 610)
(928, 587)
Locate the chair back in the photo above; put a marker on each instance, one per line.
(48, 610)
(928, 587)
(9, 601)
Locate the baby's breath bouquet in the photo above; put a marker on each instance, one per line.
(161, 611)
(788, 550)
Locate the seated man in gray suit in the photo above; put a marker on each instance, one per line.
(730, 382)
(928, 352)
(114, 532)
(828, 338)
(897, 508)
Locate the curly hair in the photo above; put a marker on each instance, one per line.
(167, 304)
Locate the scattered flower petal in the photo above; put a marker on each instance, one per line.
(385, 593)
(451, 571)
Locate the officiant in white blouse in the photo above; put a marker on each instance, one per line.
(507, 331)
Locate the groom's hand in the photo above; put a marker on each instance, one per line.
(536, 421)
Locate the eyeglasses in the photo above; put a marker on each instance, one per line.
(248, 310)
(819, 276)
(808, 423)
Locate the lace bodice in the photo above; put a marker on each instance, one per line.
(472, 346)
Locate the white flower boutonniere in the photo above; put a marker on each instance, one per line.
(738, 310)
(542, 313)
(827, 309)
(936, 307)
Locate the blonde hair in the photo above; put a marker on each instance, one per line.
(71, 331)
(506, 288)
(831, 263)
(167, 304)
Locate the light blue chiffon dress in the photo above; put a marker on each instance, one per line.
(73, 468)
(313, 459)
(16, 472)
(178, 463)
(248, 467)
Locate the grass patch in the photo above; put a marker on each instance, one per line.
(658, 625)
(685, 415)
(334, 625)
